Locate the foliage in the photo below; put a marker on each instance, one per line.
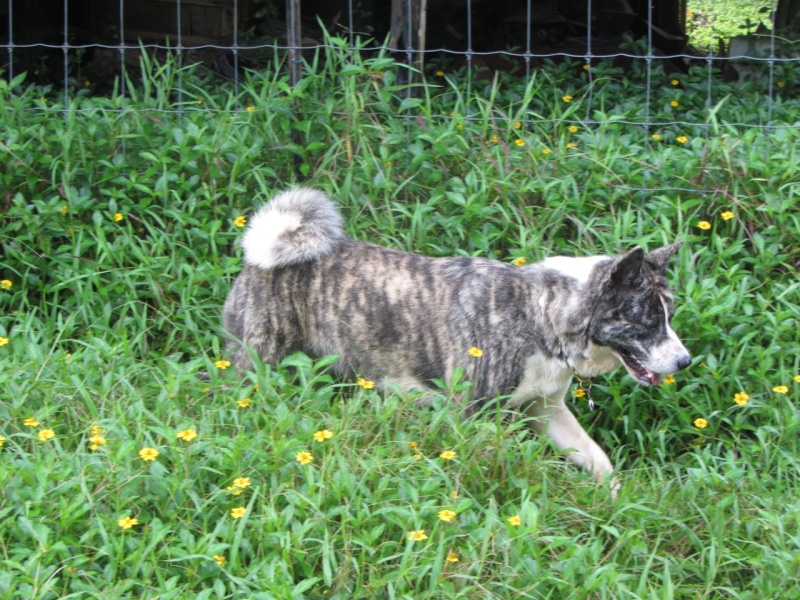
(118, 230)
(709, 22)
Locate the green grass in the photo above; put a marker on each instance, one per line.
(109, 322)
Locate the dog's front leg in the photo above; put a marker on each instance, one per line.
(553, 419)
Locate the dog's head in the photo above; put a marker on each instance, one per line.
(632, 315)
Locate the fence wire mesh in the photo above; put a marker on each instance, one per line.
(760, 58)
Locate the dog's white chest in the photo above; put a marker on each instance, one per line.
(542, 377)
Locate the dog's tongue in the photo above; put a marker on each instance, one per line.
(655, 378)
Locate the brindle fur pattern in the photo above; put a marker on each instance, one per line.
(404, 320)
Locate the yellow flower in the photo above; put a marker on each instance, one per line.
(46, 434)
(796, 378)
(675, 82)
(241, 482)
(518, 262)
(31, 422)
(187, 435)
(704, 225)
(118, 217)
(304, 457)
(655, 136)
(586, 67)
(780, 389)
(780, 84)
(674, 103)
(727, 215)
(515, 520)
(546, 151)
(238, 512)
(244, 402)
(566, 98)
(6, 284)
(517, 125)
(97, 441)
(572, 145)
(413, 445)
(64, 210)
(222, 364)
(323, 435)
(365, 383)
(448, 455)
(700, 423)
(741, 398)
(3, 341)
(519, 143)
(127, 522)
(573, 129)
(417, 457)
(240, 221)
(148, 454)
(235, 491)
(579, 393)
(250, 108)
(220, 559)
(446, 515)
(682, 139)
(2, 440)
(417, 536)
(494, 139)
(440, 73)
(669, 379)
(452, 557)
(199, 100)
(475, 352)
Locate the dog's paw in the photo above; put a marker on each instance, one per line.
(615, 486)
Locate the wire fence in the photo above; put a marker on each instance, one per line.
(769, 61)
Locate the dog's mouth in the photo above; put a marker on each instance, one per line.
(637, 370)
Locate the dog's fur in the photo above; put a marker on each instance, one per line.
(404, 320)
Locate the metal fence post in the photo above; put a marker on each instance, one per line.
(294, 42)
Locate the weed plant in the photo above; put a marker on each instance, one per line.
(125, 475)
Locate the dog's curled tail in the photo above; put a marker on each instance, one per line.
(296, 226)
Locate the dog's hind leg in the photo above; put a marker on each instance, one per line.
(554, 419)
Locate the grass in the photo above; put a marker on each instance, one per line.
(109, 322)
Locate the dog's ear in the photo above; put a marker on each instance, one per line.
(660, 256)
(626, 269)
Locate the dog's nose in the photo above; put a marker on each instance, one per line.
(684, 361)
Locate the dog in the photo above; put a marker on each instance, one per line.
(404, 320)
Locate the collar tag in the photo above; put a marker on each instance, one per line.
(585, 384)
